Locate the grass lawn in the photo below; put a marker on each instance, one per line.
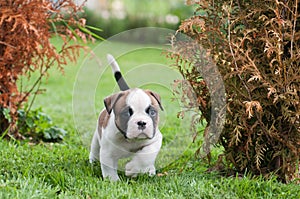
(73, 100)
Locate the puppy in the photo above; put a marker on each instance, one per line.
(127, 126)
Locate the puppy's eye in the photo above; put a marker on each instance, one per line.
(127, 112)
(151, 111)
(130, 111)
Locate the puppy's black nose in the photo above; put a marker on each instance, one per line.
(141, 125)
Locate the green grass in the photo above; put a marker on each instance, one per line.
(61, 170)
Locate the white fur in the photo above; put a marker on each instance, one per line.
(114, 64)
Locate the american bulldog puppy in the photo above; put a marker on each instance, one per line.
(127, 127)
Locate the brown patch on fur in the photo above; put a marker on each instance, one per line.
(155, 99)
(121, 103)
(118, 107)
(156, 103)
(113, 102)
(102, 121)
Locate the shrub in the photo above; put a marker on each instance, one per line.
(35, 126)
(25, 31)
(256, 48)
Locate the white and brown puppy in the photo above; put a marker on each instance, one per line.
(128, 126)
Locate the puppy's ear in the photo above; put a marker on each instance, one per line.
(111, 100)
(156, 97)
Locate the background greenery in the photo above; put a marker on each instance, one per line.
(139, 13)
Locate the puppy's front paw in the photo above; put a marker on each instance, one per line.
(132, 170)
(113, 178)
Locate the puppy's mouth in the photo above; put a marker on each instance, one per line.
(141, 137)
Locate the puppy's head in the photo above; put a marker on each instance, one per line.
(136, 112)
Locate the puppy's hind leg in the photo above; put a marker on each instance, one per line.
(95, 148)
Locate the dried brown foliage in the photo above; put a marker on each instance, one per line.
(256, 47)
(25, 31)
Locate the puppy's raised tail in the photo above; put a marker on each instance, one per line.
(117, 73)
